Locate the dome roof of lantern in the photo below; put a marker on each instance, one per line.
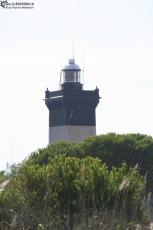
(71, 66)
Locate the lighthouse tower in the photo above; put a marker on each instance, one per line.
(71, 109)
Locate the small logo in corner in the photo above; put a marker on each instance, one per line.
(3, 3)
(16, 5)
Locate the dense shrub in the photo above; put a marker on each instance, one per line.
(113, 149)
(68, 191)
(94, 184)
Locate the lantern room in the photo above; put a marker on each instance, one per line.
(71, 72)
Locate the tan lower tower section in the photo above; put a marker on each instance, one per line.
(70, 133)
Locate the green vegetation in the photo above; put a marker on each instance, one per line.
(3, 177)
(98, 184)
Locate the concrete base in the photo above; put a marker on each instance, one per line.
(71, 133)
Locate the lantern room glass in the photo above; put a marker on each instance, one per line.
(71, 76)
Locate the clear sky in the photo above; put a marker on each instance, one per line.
(113, 41)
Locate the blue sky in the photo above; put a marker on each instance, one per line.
(113, 41)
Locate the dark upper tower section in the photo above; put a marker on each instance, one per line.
(71, 105)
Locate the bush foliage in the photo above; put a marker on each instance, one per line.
(97, 184)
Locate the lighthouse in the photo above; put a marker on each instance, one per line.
(72, 110)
